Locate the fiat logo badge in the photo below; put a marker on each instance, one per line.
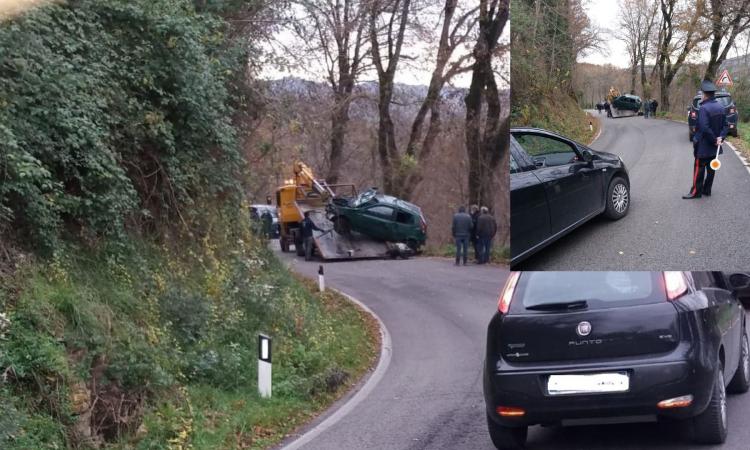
(583, 328)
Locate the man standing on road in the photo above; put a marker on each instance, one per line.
(267, 219)
(462, 229)
(474, 211)
(608, 108)
(654, 105)
(710, 132)
(307, 235)
(646, 108)
(486, 229)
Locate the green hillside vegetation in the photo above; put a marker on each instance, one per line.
(131, 287)
(543, 60)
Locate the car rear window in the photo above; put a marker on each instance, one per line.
(598, 289)
(724, 101)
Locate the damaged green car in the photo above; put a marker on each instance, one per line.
(381, 217)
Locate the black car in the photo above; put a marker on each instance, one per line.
(725, 99)
(575, 348)
(557, 184)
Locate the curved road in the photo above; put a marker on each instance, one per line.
(661, 231)
(431, 394)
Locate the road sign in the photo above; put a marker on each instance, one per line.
(724, 79)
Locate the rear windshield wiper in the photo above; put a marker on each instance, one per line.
(574, 304)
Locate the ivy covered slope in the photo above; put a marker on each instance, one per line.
(131, 288)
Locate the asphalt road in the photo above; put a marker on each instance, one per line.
(431, 394)
(661, 231)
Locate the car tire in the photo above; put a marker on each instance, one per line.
(710, 426)
(507, 438)
(741, 380)
(618, 199)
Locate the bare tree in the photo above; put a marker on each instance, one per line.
(682, 29)
(454, 35)
(486, 146)
(388, 21)
(728, 18)
(629, 32)
(335, 31)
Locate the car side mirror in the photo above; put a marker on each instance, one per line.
(740, 284)
(587, 157)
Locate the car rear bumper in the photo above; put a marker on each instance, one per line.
(650, 383)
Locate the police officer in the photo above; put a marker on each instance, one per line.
(711, 130)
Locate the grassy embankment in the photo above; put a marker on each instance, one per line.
(157, 348)
(558, 113)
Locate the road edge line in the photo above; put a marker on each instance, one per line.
(739, 154)
(386, 351)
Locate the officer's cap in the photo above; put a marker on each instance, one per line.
(708, 86)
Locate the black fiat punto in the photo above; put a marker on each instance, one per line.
(575, 348)
(556, 185)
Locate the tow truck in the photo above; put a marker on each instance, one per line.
(623, 105)
(304, 193)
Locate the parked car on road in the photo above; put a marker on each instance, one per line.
(573, 348)
(556, 185)
(256, 214)
(381, 217)
(725, 99)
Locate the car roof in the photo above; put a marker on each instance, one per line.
(390, 200)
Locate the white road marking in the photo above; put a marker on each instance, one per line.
(743, 160)
(386, 350)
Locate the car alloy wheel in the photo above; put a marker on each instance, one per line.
(620, 198)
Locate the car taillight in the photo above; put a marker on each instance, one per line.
(732, 110)
(423, 224)
(510, 411)
(506, 296)
(675, 284)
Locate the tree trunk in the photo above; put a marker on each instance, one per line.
(339, 122)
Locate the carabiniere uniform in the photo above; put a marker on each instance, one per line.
(712, 123)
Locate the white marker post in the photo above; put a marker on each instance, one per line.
(264, 366)
(321, 279)
(591, 125)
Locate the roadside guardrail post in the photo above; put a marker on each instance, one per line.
(264, 365)
(321, 279)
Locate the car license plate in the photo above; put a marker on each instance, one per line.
(592, 383)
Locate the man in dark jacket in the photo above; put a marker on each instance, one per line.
(710, 132)
(486, 230)
(474, 212)
(461, 230)
(654, 105)
(307, 235)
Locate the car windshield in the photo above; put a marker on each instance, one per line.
(364, 197)
(600, 289)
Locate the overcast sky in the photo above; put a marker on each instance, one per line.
(605, 14)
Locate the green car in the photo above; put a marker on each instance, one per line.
(628, 102)
(381, 217)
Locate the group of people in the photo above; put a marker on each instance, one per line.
(604, 106)
(649, 107)
(477, 226)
